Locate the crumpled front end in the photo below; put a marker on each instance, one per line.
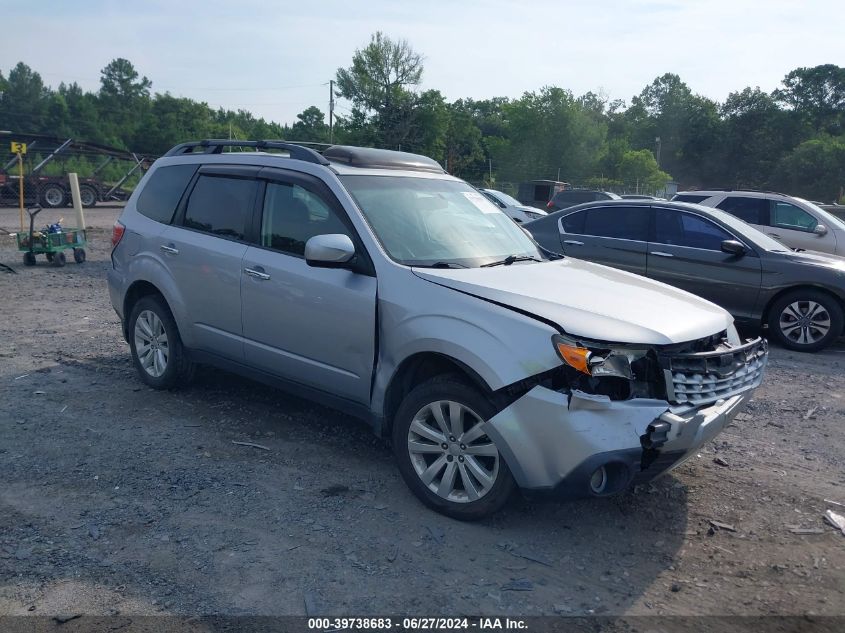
(580, 444)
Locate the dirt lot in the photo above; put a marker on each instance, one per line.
(116, 498)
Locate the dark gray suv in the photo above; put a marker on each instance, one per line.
(800, 296)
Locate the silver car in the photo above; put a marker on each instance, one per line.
(375, 283)
(795, 222)
(512, 207)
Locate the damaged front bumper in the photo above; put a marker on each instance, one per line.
(581, 445)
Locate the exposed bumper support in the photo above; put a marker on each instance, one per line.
(554, 442)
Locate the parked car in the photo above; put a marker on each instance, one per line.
(374, 282)
(512, 207)
(799, 296)
(796, 222)
(571, 197)
(537, 193)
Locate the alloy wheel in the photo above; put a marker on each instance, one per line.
(804, 322)
(151, 345)
(451, 453)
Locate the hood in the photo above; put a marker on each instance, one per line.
(813, 258)
(591, 301)
(522, 207)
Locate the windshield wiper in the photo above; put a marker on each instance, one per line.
(440, 265)
(510, 259)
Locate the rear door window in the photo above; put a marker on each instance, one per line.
(221, 205)
(676, 228)
(164, 189)
(751, 210)
(788, 216)
(618, 222)
(574, 222)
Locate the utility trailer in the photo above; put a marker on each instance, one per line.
(54, 191)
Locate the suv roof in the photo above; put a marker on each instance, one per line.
(717, 191)
(347, 155)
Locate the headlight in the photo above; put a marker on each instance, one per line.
(733, 336)
(597, 360)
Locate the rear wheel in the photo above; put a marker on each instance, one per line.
(156, 346)
(58, 260)
(79, 255)
(87, 196)
(806, 320)
(53, 196)
(444, 453)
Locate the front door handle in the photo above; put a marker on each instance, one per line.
(774, 235)
(661, 254)
(573, 242)
(257, 272)
(169, 249)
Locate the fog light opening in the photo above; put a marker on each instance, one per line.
(598, 480)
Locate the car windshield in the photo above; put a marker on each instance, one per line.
(825, 216)
(437, 222)
(503, 197)
(745, 230)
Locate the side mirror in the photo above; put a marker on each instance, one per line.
(820, 229)
(334, 250)
(733, 247)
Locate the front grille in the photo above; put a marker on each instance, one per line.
(704, 377)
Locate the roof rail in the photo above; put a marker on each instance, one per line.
(215, 146)
(734, 189)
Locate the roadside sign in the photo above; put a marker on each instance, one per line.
(18, 148)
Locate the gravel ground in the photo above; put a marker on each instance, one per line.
(118, 499)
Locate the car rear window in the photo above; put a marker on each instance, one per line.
(689, 197)
(220, 205)
(163, 191)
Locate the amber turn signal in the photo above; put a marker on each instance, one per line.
(576, 357)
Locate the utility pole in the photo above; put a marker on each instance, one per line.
(331, 110)
(657, 140)
(491, 171)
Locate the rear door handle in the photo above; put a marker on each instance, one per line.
(661, 254)
(169, 249)
(257, 272)
(573, 242)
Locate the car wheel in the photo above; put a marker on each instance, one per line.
(443, 452)
(87, 196)
(52, 196)
(156, 347)
(58, 260)
(806, 320)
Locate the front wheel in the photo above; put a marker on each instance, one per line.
(444, 453)
(156, 346)
(53, 196)
(806, 320)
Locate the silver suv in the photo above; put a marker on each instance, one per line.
(374, 282)
(795, 222)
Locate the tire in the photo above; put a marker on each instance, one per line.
(88, 196)
(79, 255)
(158, 329)
(52, 196)
(28, 259)
(806, 320)
(58, 260)
(49, 257)
(454, 498)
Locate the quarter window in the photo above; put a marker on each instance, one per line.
(293, 215)
(751, 210)
(624, 223)
(220, 205)
(788, 216)
(684, 229)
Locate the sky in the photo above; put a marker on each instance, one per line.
(275, 57)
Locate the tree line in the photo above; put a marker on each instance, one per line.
(791, 139)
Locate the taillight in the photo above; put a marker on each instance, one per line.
(117, 233)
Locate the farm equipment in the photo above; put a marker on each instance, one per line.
(51, 242)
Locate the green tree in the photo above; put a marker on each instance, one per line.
(818, 95)
(123, 99)
(311, 126)
(638, 170)
(815, 169)
(25, 101)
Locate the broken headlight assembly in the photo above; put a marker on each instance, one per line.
(617, 371)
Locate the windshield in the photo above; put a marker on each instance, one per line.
(503, 197)
(434, 221)
(827, 218)
(746, 230)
